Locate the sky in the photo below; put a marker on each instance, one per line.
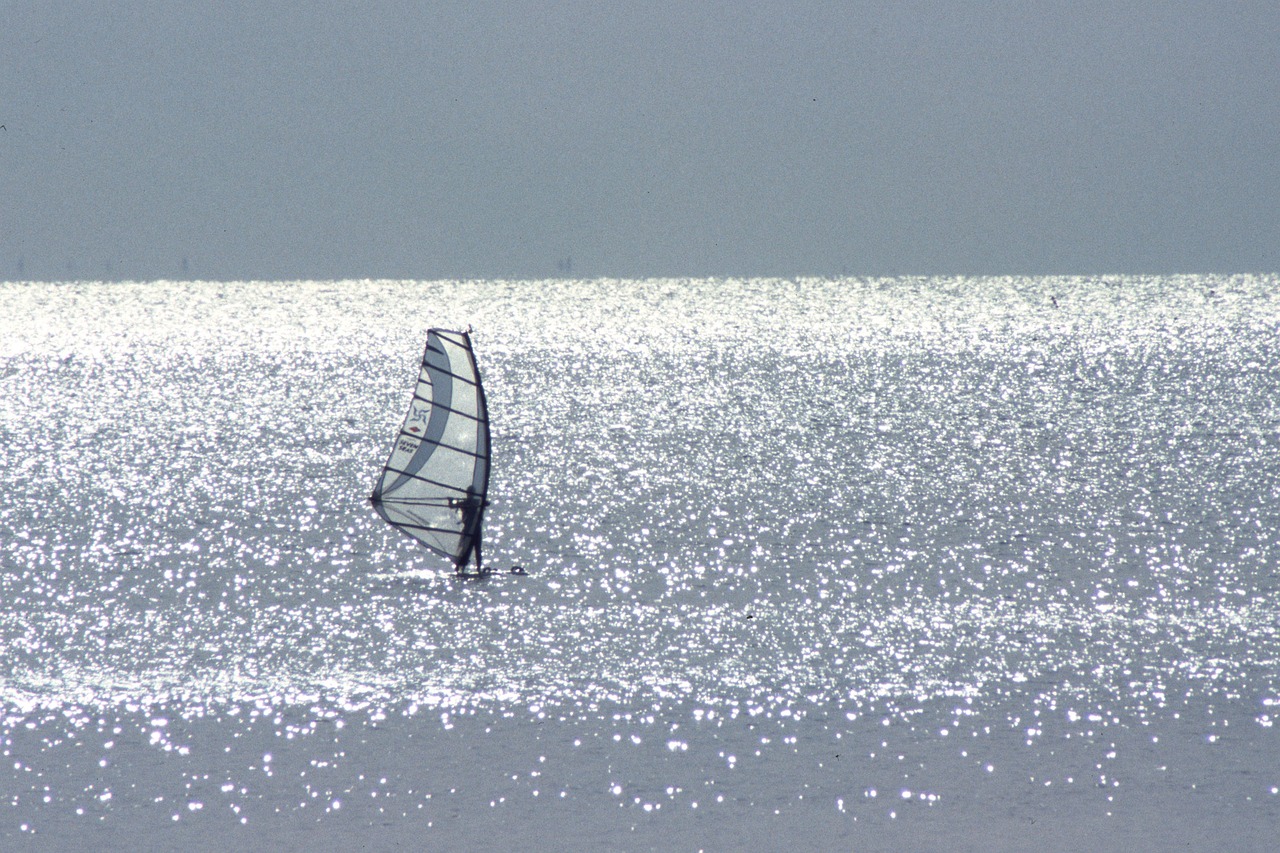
(265, 140)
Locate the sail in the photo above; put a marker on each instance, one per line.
(436, 479)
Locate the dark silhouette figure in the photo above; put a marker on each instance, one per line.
(471, 508)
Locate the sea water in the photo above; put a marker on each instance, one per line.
(941, 563)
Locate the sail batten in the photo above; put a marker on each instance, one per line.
(450, 447)
(459, 377)
(425, 480)
(457, 412)
(435, 482)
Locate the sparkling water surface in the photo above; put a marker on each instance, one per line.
(848, 563)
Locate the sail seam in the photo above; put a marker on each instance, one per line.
(427, 365)
(445, 335)
(407, 526)
(436, 405)
(464, 451)
(425, 480)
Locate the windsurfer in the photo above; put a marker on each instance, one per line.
(470, 507)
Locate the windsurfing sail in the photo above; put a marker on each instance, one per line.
(435, 484)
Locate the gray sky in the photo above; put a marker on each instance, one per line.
(285, 140)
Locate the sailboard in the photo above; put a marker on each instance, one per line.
(434, 486)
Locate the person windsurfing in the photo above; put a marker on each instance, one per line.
(471, 509)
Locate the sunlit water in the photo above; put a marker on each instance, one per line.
(886, 562)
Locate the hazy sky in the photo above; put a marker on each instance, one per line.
(425, 140)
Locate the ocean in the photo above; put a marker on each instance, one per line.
(831, 564)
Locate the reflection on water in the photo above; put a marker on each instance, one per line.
(947, 505)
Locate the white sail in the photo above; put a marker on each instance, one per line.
(436, 480)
